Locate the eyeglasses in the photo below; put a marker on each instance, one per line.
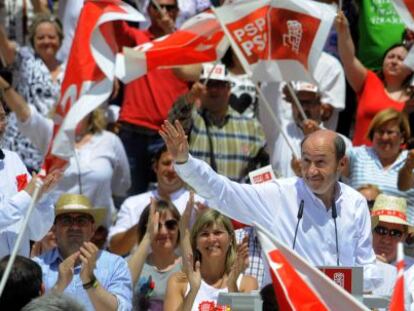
(394, 233)
(390, 133)
(69, 221)
(168, 7)
(169, 224)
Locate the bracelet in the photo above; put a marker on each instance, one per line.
(93, 283)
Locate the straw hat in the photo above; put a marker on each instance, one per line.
(78, 203)
(390, 209)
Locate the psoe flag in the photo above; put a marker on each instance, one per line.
(299, 286)
(277, 40)
(405, 9)
(199, 40)
(89, 75)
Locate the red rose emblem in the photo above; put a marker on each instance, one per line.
(21, 181)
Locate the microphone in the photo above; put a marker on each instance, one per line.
(300, 214)
(334, 215)
(2, 155)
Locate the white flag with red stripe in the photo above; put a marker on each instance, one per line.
(299, 286)
(397, 299)
(89, 72)
(405, 9)
(277, 40)
(199, 40)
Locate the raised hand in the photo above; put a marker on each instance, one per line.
(341, 22)
(65, 274)
(176, 140)
(153, 220)
(240, 264)
(88, 254)
(192, 270)
(310, 126)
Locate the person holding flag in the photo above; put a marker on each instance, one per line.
(332, 219)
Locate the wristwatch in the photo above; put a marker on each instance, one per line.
(92, 283)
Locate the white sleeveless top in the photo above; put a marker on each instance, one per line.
(208, 295)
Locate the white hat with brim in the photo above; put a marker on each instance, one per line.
(78, 203)
(389, 209)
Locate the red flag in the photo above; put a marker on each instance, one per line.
(397, 299)
(405, 9)
(199, 40)
(299, 286)
(277, 40)
(89, 73)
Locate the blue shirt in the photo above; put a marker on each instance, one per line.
(111, 271)
(366, 168)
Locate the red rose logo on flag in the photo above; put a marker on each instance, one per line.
(250, 34)
(21, 181)
(292, 35)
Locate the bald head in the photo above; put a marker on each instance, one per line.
(328, 138)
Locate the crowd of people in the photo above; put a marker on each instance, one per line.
(155, 209)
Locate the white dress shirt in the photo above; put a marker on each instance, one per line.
(14, 206)
(275, 205)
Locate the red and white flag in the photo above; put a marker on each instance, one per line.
(89, 75)
(397, 299)
(277, 40)
(299, 286)
(199, 40)
(405, 9)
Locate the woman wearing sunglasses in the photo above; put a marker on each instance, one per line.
(213, 264)
(154, 260)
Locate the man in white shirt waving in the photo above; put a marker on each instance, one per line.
(334, 223)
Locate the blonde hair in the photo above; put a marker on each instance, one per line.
(207, 219)
(45, 18)
(387, 115)
(97, 121)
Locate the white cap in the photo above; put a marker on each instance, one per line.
(214, 72)
(301, 86)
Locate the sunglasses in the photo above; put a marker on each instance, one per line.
(169, 224)
(69, 221)
(394, 233)
(168, 7)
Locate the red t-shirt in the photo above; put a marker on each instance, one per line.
(148, 99)
(372, 99)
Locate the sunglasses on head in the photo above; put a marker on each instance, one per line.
(394, 233)
(68, 221)
(169, 224)
(168, 7)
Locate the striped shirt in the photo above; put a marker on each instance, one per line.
(366, 168)
(235, 143)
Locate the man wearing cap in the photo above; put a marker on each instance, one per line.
(297, 128)
(333, 221)
(97, 279)
(231, 143)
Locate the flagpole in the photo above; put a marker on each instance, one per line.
(260, 92)
(296, 101)
(157, 6)
(16, 248)
(275, 119)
